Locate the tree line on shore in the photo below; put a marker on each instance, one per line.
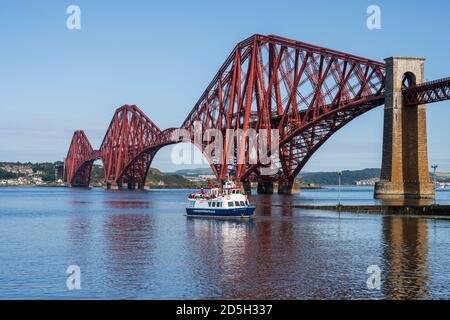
(157, 178)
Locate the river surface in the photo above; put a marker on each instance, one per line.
(139, 245)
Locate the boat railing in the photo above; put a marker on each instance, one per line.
(206, 196)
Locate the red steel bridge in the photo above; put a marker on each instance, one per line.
(267, 82)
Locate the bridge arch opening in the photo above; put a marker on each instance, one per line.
(97, 173)
(182, 156)
(136, 174)
(409, 80)
(82, 177)
(344, 150)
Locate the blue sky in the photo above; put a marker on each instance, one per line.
(161, 56)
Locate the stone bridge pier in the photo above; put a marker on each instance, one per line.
(270, 187)
(405, 169)
(280, 187)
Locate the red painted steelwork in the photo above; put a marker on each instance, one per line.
(79, 160)
(267, 82)
(127, 150)
(305, 91)
(428, 92)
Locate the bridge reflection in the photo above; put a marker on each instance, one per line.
(283, 253)
(129, 251)
(405, 258)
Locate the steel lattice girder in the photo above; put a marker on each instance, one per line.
(127, 150)
(79, 160)
(267, 82)
(270, 82)
(129, 145)
(428, 92)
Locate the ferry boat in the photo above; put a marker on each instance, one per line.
(230, 203)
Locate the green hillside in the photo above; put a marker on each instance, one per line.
(331, 178)
(194, 172)
(155, 179)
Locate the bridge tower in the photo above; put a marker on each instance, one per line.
(405, 171)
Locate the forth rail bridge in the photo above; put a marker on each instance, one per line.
(305, 91)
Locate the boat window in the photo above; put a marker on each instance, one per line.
(214, 204)
(246, 202)
(209, 204)
(242, 203)
(236, 203)
(230, 204)
(219, 204)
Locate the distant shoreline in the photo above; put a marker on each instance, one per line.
(159, 187)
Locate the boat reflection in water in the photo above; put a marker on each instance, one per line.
(221, 248)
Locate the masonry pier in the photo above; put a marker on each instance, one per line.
(405, 170)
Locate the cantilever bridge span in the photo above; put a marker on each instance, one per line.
(267, 82)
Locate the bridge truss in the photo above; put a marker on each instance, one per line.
(305, 92)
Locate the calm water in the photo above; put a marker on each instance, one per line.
(139, 245)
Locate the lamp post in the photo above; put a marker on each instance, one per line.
(339, 188)
(434, 167)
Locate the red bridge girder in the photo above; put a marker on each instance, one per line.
(306, 92)
(127, 150)
(267, 82)
(129, 132)
(428, 92)
(79, 160)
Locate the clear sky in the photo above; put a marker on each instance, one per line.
(161, 56)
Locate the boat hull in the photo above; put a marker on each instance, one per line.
(223, 213)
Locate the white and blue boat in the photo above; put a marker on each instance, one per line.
(230, 203)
